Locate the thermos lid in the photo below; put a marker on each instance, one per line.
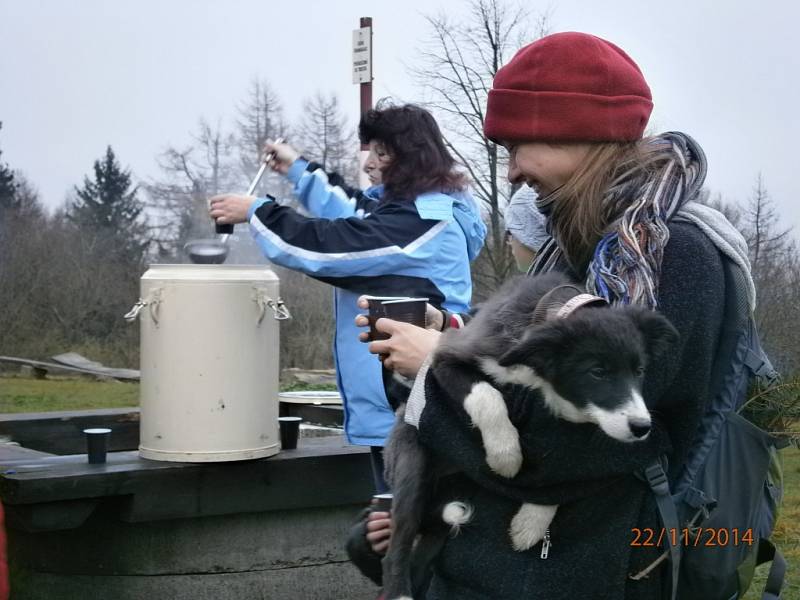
(209, 273)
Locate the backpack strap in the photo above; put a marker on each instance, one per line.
(777, 570)
(756, 359)
(656, 477)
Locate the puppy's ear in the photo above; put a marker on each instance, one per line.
(659, 334)
(538, 349)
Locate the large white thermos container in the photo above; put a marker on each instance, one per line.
(209, 362)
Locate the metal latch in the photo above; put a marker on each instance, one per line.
(281, 312)
(153, 300)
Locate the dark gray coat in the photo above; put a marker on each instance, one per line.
(591, 477)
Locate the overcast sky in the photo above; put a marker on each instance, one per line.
(138, 74)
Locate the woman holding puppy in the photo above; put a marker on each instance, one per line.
(571, 110)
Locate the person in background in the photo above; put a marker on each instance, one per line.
(413, 233)
(571, 109)
(526, 228)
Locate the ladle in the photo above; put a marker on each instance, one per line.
(212, 251)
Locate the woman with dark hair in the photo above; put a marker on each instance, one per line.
(418, 160)
(413, 233)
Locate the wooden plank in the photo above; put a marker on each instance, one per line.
(66, 477)
(327, 415)
(48, 366)
(67, 414)
(73, 359)
(322, 472)
(10, 452)
(62, 432)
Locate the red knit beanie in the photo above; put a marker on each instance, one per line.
(568, 87)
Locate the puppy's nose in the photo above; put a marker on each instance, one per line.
(639, 429)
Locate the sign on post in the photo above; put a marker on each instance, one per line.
(362, 55)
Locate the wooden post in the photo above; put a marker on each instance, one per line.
(366, 88)
(365, 103)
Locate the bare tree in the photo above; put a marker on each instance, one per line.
(259, 118)
(325, 136)
(766, 240)
(776, 269)
(775, 262)
(731, 211)
(456, 68)
(306, 339)
(22, 269)
(61, 289)
(190, 175)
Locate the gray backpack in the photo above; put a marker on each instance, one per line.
(717, 516)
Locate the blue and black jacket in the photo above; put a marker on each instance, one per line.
(363, 243)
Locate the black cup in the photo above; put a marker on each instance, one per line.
(376, 311)
(223, 228)
(383, 504)
(290, 431)
(97, 444)
(408, 310)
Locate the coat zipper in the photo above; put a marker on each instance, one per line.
(545, 544)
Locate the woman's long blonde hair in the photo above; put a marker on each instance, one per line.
(580, 213)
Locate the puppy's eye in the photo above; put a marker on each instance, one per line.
(639, 371)
(598, 373)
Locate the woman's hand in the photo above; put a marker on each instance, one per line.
(434, 319)
(230, 208)
(284, 156)
(408, 346)
(379, 531)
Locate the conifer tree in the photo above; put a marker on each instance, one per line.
(107, 209)
(8, 187)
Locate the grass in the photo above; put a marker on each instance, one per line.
(42, 395)
(34, 395)
(787, 532)
(18, 394)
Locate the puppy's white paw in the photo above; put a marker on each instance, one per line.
(529, 525)
(487, 409)
(503, 452)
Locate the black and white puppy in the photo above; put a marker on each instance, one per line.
(586, 359)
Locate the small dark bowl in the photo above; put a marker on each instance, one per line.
(206, 252)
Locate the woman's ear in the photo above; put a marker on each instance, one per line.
(659, 334)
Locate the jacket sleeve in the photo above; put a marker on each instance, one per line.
(325, 195)
(386, 242)
(361, 554)
(565, 461)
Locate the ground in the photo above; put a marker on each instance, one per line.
(32, 395)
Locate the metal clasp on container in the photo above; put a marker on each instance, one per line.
(153, 300)
(264, 301)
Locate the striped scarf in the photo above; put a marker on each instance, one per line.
(626, 264)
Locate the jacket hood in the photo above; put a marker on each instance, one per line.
(468, 216)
